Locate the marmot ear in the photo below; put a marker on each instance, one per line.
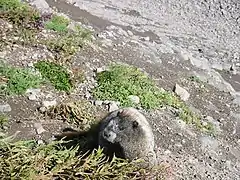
(134, 124)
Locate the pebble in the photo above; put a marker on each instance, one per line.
(181, 92)
(39, 128)
(33, 94)
(134, 99)
(5, 108)
(130, 33)
(101, 69)
(40, 141)
(32, 97)
(112, 107)
(98, 103)
(42, 109)
(49, 103)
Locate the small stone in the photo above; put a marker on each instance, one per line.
(101, 69)
(147, 38)
(236, 100)
(87, 95)
(33, 94)
(72, 26)
(130, 33)
(32, 97)
(49, 103)
(30, 64)
(134, 99)
(112, 107)
(181, 92)
(233, 69)
(5, 108)
(40, 141)
(42, 109)
(167, 152)
(98, 103)
(41, 5)
(39, 128)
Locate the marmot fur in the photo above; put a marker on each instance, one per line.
(127, 134)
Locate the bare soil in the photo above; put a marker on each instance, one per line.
(189, 153)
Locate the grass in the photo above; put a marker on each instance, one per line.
(57, 23)
(56, 74)
(121, 81)
(27, 160)
(65, 45)
(17, 80)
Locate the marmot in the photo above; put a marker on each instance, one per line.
(127, 133)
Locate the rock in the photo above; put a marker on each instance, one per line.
(147, 38)
(112, 106)
(101, 69)
(236, 99)
(233, 69)
(181, 92)
(88, 95)
(49, 103)
(213, 78)
(31, 64)
(98, 103)
(39, 128)
(201, 63)
(33, 94)
(130, 33)
(208, 143)
(42, 109)
(32, 97)
(5, 108)
(106, 102)
(184, 56)
(41, 5)
(134, 99)
(40, 141)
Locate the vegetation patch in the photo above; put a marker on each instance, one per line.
(56, 74)
(27, 23)
(17, 80)
(121, 81)
(65, 45)
(3, 120)
(81, 113)
(29, 160)
(57, 23)
(19, 13)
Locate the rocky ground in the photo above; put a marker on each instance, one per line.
(192, 44)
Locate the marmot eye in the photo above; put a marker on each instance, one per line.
(135, 124)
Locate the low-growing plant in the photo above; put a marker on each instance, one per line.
(81, 113)
(67, 44)
(121, 81)
(3, 120)
(57, 23)
(19, 13)
(29, 160)
(56, 74)
(17, 80)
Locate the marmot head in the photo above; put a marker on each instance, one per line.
(120, 126)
